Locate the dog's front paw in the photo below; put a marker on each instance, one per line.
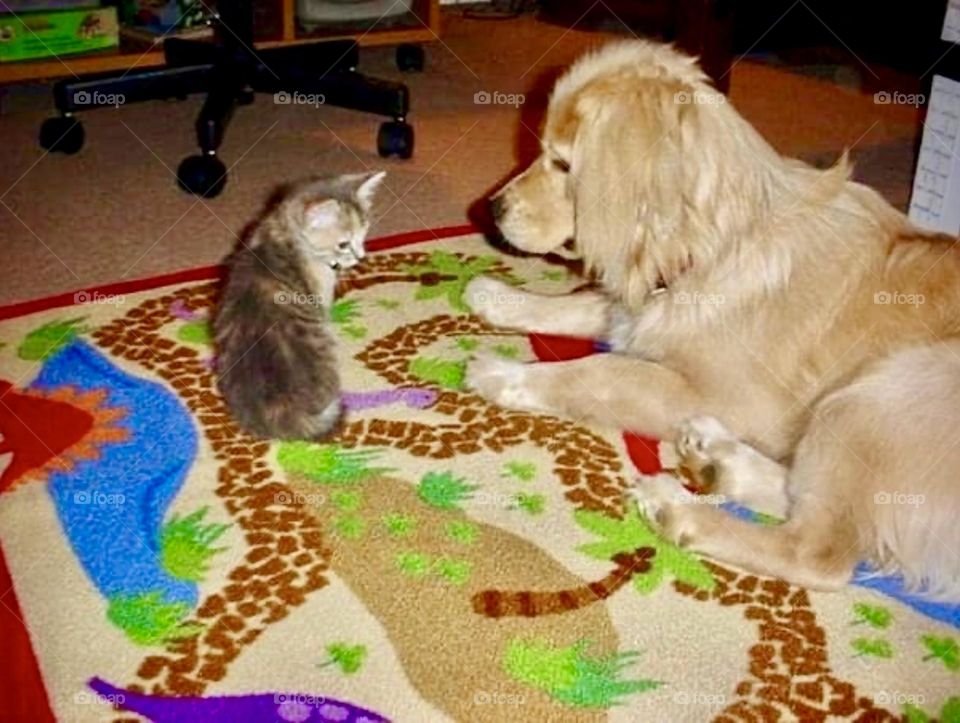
(665, 503)
(703, 447)
(496, 302)
(500, 381)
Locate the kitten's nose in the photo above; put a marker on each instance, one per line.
(498, 207)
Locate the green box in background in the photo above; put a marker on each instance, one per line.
(27, 36)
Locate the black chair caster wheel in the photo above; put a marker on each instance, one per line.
(202, 176)
(62, 135)
(410, 58)
(395, 138)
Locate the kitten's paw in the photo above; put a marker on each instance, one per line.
(500, 381)
(666, 504)
(496, 302)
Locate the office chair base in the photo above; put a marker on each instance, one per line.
(62, 135)
(395, 138)
(320, 73)
(202, 175)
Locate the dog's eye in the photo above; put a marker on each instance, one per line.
(560, 165)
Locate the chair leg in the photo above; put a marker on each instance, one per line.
(215, 116)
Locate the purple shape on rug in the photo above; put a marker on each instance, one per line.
(178, 310)
(412, 397)
(253, 708)
(601, 347)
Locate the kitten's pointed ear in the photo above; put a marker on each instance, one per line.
(319, 215)
(368, 187)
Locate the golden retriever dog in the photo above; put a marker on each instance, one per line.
(792, 333)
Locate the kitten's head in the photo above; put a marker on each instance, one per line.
(330, 216)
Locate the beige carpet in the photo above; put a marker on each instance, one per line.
(113, 211)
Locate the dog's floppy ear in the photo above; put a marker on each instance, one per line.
(631, 193)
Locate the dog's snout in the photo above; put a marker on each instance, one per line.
(498, 207)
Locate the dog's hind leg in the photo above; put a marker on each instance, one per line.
(720, 464)
(822, 539)
(584, 314)
(815, 548)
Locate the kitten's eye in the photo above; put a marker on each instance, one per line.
(560, 165)
(343, 245)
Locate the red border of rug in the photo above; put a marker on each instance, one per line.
(22, 692)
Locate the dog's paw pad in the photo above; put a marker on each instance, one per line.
(664, 502)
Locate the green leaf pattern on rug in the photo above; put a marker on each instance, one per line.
(388, 304)
(467, 343)
(418, 565)
(413, 564)
(876, 616)
(349, 526)
(508, 351)
(186, 545)
(349, 658)
(148, 620)
(399, 525)
(532, 504)
(872, 647)
(329, 463)
(521, 471)
(347, 500)
(631, 532)
(47, 340)
(344, 314)
(949, 712)
(444, 491)
(196, 332)
(445, 373)
(943, 649)
(456, 572)
(344, 311)
(570, 676)
(446, 275)
(462, 531)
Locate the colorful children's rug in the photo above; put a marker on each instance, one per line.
(439, 559)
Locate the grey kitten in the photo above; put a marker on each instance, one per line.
(276, 352)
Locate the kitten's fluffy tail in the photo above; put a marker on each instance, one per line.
(280, 424)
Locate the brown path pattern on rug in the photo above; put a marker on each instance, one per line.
(587, 464)
(790, 676)
(287, 556)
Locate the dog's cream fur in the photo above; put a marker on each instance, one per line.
(801, 309)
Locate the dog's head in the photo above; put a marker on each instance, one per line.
(643, 166)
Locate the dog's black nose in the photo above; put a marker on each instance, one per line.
(498, 207)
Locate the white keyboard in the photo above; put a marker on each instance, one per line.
(935, 203)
